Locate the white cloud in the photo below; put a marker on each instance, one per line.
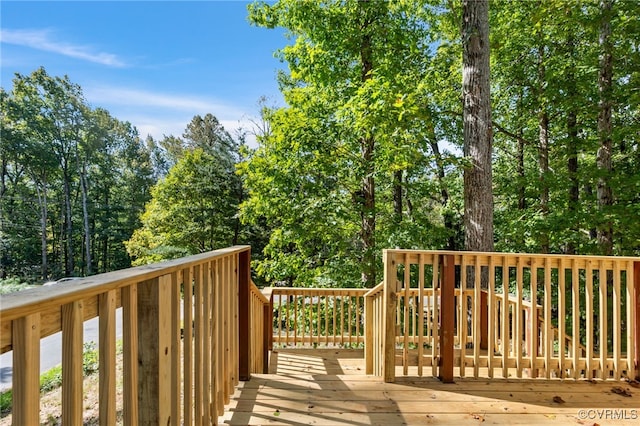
(43, 40)
(161, 114)
(142, 98)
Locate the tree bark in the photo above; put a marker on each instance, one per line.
(368, 187)
(572, 146)
(478, 192)
(543, 148)
(85, 215)
(605, 127)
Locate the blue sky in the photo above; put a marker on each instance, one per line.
(155, 64)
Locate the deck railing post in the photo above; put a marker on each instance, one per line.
(636, 292)
(484, 319)
(389, 317)
(368, 334)
(447, 313)
(154, 357)
(267, 335)
(244, 310)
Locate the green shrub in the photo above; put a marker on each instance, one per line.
(11, 285)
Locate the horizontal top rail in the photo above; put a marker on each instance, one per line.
(27, 302)
(375, 290)
(483, 258)
(305, 291)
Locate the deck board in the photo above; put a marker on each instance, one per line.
(329, 387)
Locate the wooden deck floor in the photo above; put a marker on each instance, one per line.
(329, 387)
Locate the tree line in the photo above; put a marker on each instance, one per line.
(373, 149)
(393, 134)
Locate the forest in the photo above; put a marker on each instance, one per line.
(369, 151)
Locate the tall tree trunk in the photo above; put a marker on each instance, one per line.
(85, 215)
(449, 223)
(605, 87)
(572, 146)
(41, 191)
(3, 190)
(69, 260)
(368, 187)
(478, 193)
(543, 150)
(397, 196)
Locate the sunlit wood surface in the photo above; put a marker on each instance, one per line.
(330, 387)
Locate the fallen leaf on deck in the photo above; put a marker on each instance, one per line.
(478, 417)
(620, 391)
(558, 400)
(633, 383)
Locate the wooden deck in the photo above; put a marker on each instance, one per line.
(329, 387)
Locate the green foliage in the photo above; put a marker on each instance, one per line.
(355, 130)
(74, 180)
(11, 285)
(194, 208)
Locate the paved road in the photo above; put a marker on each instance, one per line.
(51, 349)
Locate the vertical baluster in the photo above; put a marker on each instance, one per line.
(26, 370)
(561, 316)
(107, 356)
(130, 355)
(72, 378)
(603, 284)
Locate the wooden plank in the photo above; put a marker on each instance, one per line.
(589, 329)
(209, 345)
(633, 280)
(602, 278)
(26, 370)
(492, 323)
(435, 316)
(420, 312)
(72, 333)
(561, 316)
(130, 354)
(462, 315)
(575, 315)
(617, 323)
(533, 319)
(187, 284)
(405, 333)
(547, 334)
(154, 334)
(23, 303)
(244, 281)
(476, 316)
(447, 310)
(176, 378)
(389, 316)
(517, 314)
(505, 319)
(369, 319)
(107, 357)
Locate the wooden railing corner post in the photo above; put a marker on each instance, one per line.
(244, 310)
(447, 313)
(368, 334)
(389, 317)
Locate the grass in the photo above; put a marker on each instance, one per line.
(52, 379)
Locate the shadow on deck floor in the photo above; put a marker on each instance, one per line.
(330, 387)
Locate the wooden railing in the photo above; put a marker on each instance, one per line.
(317, 316)
(166, 379)
(375, 330)
(586, 321)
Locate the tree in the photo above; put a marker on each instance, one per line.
(353, 133)
(193, 209)
(478, 193)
